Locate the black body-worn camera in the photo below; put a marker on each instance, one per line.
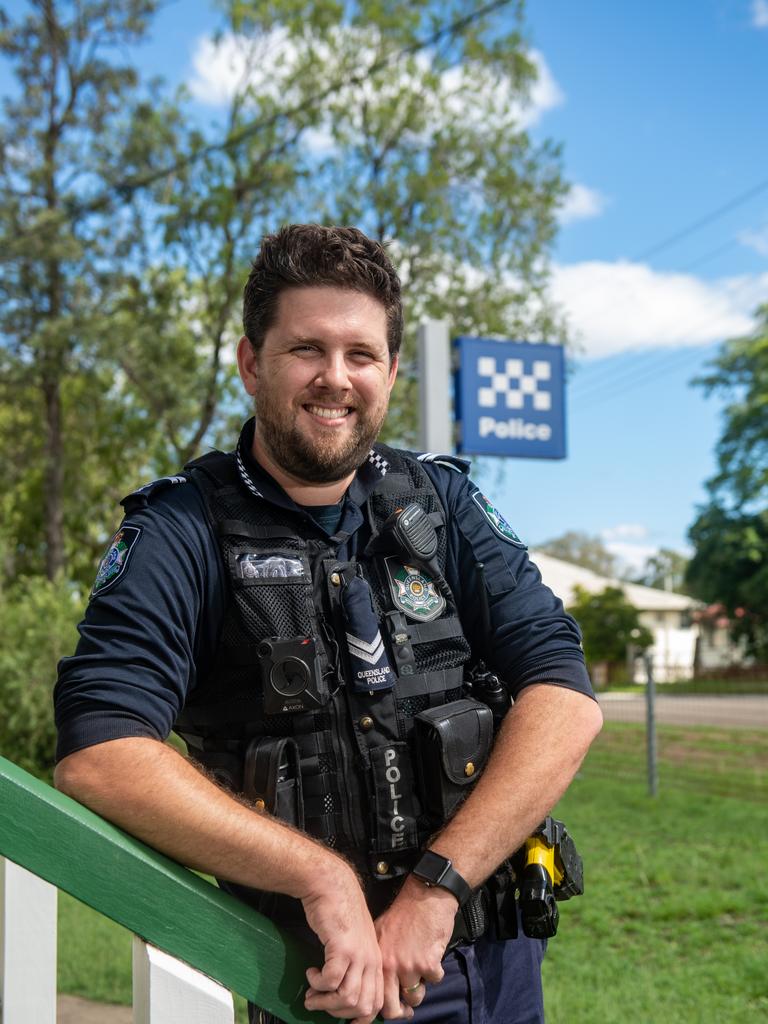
(290, 675)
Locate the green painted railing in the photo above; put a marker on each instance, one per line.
(169, 906)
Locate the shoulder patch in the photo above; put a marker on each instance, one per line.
(142, 494)
(115, 561)
(454, 462)
(496, 519)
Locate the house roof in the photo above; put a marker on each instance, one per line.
(563, 577)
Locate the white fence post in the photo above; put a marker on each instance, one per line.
(167, 991)
(28, 907)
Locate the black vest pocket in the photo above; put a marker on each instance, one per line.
(271, 776)
(453, 743)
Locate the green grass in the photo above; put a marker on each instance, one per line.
(673, 923)
(712, 687)
(702, 760)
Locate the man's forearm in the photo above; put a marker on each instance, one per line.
(157, 795)
(537, 752)
(151, 791)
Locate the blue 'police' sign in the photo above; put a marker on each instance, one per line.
(511, 398)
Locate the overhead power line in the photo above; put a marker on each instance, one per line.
(702, 222)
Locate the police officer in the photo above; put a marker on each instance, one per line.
(264, 604)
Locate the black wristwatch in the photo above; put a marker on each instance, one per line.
(434, 869)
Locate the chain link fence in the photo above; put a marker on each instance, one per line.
(707, 735)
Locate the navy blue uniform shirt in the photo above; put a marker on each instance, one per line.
(152, 626)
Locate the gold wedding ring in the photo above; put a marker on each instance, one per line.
(411, 988)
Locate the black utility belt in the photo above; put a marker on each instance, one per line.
(524, 891)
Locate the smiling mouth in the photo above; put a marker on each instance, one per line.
(326, 413)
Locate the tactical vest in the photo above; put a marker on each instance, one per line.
(362, 788)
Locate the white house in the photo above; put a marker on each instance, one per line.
(669, 616)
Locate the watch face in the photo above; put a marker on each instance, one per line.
(432, 866)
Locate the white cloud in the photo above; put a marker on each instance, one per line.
(622, 306)
(223, 67)
(625, 542)
(760, 13)
(757, 240)
(581, 203)
(624, 531)
(632, 557)
(546, 93)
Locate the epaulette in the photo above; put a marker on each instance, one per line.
(458, 465)
(141, 496)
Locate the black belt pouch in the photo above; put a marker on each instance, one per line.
(454, 745)
(271, 774)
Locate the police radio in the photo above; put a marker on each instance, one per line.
(412, 533)
(291, 677)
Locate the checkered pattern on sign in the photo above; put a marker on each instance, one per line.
(512, 383)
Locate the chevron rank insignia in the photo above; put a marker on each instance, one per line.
(413, 591)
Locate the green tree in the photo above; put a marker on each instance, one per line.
(60, 254)
(37, 627)
(730, 534)
(582, 549)
(664, 570)
(609, 623)
(128, 224)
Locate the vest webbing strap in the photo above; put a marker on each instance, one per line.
(442, 629)
(240, 528)
(325, 825)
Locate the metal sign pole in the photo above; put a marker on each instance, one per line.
(436, 423)
(650, 694)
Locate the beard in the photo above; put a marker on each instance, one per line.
(315, 460)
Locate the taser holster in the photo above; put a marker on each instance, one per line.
(549, 870)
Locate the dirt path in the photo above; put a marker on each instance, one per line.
(73, 1010)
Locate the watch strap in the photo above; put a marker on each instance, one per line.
(446, 878)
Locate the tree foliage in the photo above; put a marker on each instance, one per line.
(582, 549)
(127, 222)
(730, 534)
(61, 257)
(740, 375)
(609, 623)
(37, 628)
(664, 570)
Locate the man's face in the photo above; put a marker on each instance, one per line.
(321, 381)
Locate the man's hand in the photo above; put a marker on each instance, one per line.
(413, 934)
(151, 791)
(350, 984)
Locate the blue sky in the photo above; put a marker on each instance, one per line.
(661, 111)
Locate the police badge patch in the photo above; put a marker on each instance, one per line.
(496, 519)
(413, 591)
(115, 561)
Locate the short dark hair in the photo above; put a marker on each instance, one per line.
(310, 255)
